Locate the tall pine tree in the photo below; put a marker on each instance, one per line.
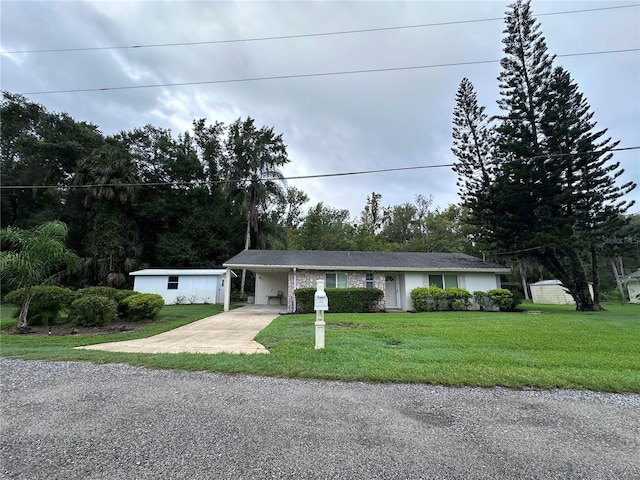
(551, 189)
(473, 146)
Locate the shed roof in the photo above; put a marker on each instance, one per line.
(633, 276)
(546, 282)
(340, 260)
(179, 272)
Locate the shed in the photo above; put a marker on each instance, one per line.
(552, 292)
(182, 285)
(632, 282)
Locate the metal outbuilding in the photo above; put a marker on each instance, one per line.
(552, 292)
(632, 282)
(182, 285)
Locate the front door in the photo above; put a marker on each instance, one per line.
(391, 291)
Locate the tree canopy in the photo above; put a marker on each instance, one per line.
(34, 257)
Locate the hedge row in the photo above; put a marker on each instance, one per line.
(341, 300)
(93, 306)
(431, 299)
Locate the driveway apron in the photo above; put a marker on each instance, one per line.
(228, 332)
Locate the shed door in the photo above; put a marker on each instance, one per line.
(220, 293)
(391, 290)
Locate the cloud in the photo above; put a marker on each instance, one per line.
(336, 123)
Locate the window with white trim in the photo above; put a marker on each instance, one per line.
(335, 280)
(368, 280)
(172, 284)
(443, 281)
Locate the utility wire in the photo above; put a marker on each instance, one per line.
(298, 177)
(304, 75)
(304, 35)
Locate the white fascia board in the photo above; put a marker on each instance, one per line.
(163, 272)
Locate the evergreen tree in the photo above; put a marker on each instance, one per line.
(473, 147)
(550, 190)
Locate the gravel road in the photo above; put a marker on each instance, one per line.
(68, 420)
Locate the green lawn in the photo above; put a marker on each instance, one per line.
(556, 348)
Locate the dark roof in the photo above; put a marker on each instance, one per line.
(634, 275)
(323, 260)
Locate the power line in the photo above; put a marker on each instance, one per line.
(298, 177)
(304, 35)
(304, 75)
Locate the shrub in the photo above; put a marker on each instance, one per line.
(459, 298)
(47, 303)
(113, 293)
(341, 300)
(429, 299)
(502, 298)
(481, 301)
(143, 306)
(93, 311)
(240, 297)
(612, 296)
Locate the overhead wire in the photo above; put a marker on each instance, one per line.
(297, 177)
(303, 35)
(302, 75)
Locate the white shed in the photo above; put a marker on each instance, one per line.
(552, 292)
(633, 286)
(182, 285)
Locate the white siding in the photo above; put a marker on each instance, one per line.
(269, 284)
(191, 288)
(550, 294)
(633, 287)
(471, 282)
(411, 280)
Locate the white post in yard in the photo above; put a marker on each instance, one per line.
(320, 304)
(227, 290)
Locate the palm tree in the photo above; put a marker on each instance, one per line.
(251, 164)
(109, 181)
(34, 257)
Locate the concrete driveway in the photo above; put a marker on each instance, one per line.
(227, 332)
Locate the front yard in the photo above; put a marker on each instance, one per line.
(554, 348)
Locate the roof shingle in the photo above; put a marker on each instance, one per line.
(323, 260)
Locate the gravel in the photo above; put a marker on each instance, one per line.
(70, 420)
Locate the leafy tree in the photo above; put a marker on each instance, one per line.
(34, 257)
(110, 184)
(39, 148)
(324, 228)
(371, 216)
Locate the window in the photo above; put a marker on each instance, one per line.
(336, 280)
(368, 280)
(443, 281)
(172, 284)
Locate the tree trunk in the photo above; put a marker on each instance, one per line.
(595, 279)
(580, 292)
(523, 278)
(567, 267)
(247, 244)
(23, 322)
(617, 274)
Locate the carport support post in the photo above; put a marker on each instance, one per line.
(227, 290)
(320, 304)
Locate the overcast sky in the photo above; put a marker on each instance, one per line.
(330, 123)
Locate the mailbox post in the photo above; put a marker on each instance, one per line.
(320, 305)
